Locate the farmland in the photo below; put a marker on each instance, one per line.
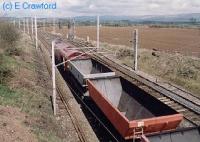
(172, 40)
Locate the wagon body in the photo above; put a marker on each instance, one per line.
(129, 108)
(84, 69)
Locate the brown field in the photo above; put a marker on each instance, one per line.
(184, 41)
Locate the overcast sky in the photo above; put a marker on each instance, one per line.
(66, 8)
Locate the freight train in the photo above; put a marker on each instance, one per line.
(133, 112)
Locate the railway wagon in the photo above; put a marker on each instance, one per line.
(80, 65)
(84, 69)
(64, 52)
(131, 110)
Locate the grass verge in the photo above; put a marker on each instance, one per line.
(181, 70)
(21, 87)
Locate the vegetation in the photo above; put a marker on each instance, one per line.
(8, 33)
(17, 88)
(175, 68)
(8, 36)
(9, 97)
(183, 71)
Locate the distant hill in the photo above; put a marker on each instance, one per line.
(190, 19)
(174, 18)
(160, 18)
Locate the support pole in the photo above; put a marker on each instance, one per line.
(28, 25)
(74, 28)
(24, 25)
(32, 26)
(44, 25)
(19, 24)
(36, 36)
(97, 32)
(135, 35)
(88, 39)
(53, 78)
(14, 23)
(54, 28)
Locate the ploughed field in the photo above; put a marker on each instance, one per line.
(175, 40)
(186, 41)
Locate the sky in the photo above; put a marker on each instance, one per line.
(70, 8)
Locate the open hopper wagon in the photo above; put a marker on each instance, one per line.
(131, 110)
(84, 69)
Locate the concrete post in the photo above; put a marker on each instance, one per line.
(135, 35)
(53, 78)
(36, 36)
(19, 24)
(14, 23)
(54, 28)
(32, 26)
(97, 32)
(88, 39)
(44, 25)
(28, 25)
(24, 25)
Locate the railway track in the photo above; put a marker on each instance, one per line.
(62, 105)
(183, 102)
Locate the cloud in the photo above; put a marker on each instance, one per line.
(66, 8)
(154, 5)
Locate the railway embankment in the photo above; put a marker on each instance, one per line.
(25, 90)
